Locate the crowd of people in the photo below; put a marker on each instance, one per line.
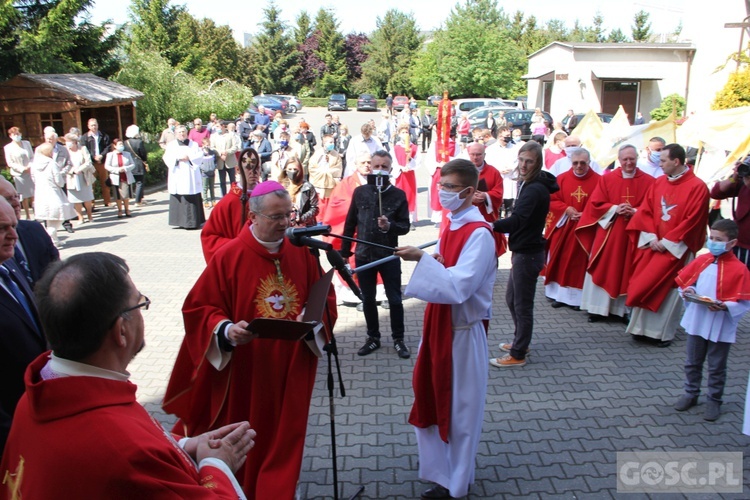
(619, 241)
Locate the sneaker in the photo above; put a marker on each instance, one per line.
(685, 402)
(360, 307)
(401, 349)
(712, 411)
(370, 346)
(385, 305)
(507, 348)
(507, 361)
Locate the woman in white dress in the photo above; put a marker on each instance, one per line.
(50, 203)
(119, 163)
(18, 157)
(80, 178)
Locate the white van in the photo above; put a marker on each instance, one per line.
(466, 105)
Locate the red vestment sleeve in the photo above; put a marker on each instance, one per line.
(224, 223)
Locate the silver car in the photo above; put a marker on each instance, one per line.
(478, 116)
(294, 103)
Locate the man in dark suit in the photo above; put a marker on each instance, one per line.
(21, 337)
(34, 248)
(97, 142)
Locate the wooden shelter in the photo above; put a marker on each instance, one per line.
(32, 102)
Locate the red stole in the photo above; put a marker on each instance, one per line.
(433, 371)
(338, 207)
(676, 211)
(494, 181)
(733, 280)
(611, 250)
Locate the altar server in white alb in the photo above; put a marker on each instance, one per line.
(450, 376)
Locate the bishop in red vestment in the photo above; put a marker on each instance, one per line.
(566, 263)
(222, 371)
(601, 232)
(229, 216)
(670, 226)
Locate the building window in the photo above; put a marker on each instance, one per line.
(54, 120)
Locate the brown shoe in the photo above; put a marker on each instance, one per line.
(508, 347)
(507, 361)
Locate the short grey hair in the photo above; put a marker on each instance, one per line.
(581, 151)
(627, 146)
(257, 202)
(132, 132)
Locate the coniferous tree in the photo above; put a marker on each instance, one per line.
(276, 56)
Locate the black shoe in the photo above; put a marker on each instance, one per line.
(557, 304)
(401, 349)
(385, 305)
(686, 402)
(712, 411)
(595, 318)
(664, 343)
(370, 346)
(436, 491)
(68, 226)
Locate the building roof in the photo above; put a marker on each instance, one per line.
(618, 46)
(85, 88)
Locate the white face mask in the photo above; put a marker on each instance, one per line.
(68, 144)
(450, 200)
(569, 150)
(16, 138)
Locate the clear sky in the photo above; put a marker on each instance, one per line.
(354, 15)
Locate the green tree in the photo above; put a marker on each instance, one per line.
(597, 30)
(303, 28)
(155, 27)
(392, 50)
(736, 91)
(671, 102)
(205, 50)
(275, 55)
(332, 54)
(617, 36)
(641, 29)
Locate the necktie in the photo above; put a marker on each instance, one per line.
(21, 261)
(15, 290)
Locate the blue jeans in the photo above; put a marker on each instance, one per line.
(520, 298)
(699, 350)
(208, 188)
(391, 274)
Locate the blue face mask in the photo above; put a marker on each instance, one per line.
(716, 247)
(329, 146)
(654, 157)
(283, 144)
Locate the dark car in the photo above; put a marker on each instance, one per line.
(604, 117)
(337, 102)
(433, 100)
(367, 102)
(253, 110)
(294, 103)
(522, 119)
(400, 102)
(271, 103)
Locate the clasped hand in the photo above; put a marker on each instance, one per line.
(230, 444)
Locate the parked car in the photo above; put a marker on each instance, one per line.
(400, 102)
(522, 119)
(337, 102)
(513, 103)
(433, 100)
(253, 110)
(271, 103)
(604, 117)
(478, 116)
(294, 103)
(464, 105)
(367, 102)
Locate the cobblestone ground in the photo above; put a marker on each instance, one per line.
(551, 428)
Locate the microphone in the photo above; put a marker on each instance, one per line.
(337, 261)
(294, 233)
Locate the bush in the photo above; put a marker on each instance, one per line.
(666, 106)
(736, 92)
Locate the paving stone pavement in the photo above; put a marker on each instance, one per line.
(551, 428)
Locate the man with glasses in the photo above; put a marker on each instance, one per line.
(79, 426)
(566, 263)
(224, 372)
(34, 249)
(227, 145)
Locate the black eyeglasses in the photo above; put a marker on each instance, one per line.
(146, 302)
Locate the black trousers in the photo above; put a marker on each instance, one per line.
(391, 274)
(520, 298)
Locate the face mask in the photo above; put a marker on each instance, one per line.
(16, 138)
(291, 173)
(172, 127)
(516, 138)
(68, 144)
(283, 144)
(569, 150)
(120, 148)
(329, 146)
(654, 157)
(716, 247)
(300, 138)
(451, 201)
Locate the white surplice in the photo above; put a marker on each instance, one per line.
(468, 287)
(184, 177)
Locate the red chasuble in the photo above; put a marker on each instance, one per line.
(567, 261)
(407, 181)
(224, 223)
(267, 382)
(494, 180)
(611, 250)
(443, 130)
(733, 277)
(87, 437)
(338, 207)
(678, 212)
(433, 370)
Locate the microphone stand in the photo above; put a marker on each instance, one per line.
(332, 351)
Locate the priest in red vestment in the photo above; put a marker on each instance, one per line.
(489, 195)
(567, 259)
(601, 232)
(229, 216)
(670, 226)
(403, 170)
(78, 431)
(223, 371)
